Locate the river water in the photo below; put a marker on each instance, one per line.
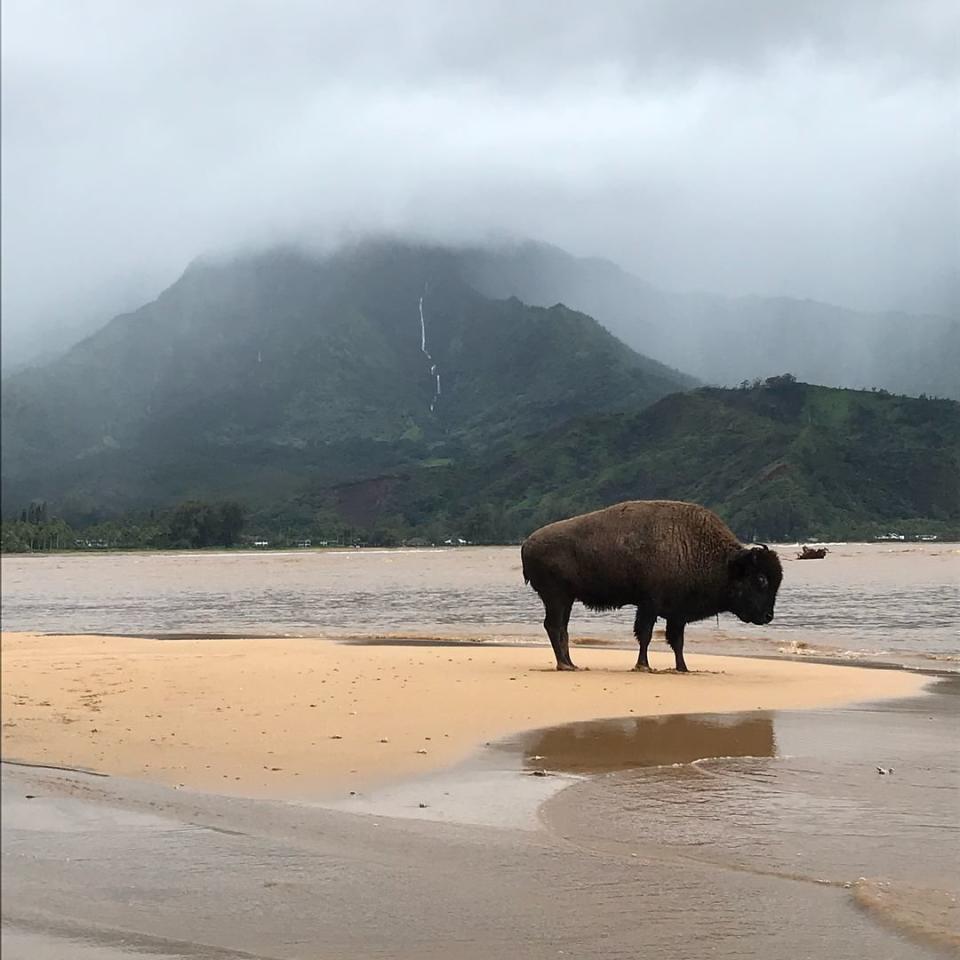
(896, 602)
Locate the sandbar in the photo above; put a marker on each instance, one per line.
(308, 718)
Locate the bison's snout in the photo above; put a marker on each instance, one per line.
(760, 617)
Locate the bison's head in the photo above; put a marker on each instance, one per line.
(755, 575)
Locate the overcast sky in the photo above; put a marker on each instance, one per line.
(804, 148)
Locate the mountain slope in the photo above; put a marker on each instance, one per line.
(780, 460)
(248, 377)
(726, 340)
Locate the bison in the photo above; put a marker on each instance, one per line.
(674, 560)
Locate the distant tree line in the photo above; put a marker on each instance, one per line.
(192, 524)
(198, 524)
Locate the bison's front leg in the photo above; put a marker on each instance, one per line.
(675, 639)
(643, 631)
(555, 623)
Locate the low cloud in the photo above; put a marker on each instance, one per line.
(804, 149)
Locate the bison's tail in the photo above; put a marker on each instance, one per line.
(524, 562)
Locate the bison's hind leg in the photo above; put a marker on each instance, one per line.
(557, 604)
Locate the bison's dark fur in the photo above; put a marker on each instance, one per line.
(673, 560)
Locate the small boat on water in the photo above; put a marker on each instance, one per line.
(812, 553)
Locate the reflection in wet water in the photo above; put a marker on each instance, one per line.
(603, 746)
(795, 795)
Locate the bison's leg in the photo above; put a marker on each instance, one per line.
(555, 622)
(565, 636)
(675, 639)
(643, 631)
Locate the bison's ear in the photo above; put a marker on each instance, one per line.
(742, 563)
(748, 560)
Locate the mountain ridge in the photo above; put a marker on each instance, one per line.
(725, 340)
(377, 385)
(717, 339)
(281, 365)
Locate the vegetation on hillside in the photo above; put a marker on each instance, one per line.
(779, 460)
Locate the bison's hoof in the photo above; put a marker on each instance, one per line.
(643, 668)
(567, 666)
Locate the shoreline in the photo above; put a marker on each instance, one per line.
(309, 719)
(248, 548)
(833, 609)
(928, 664)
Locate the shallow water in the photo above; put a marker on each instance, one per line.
(869, 601)
(788, 795)
(201, 876)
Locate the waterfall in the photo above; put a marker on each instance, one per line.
(426, 353)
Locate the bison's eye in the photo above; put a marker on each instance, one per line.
(762, 581)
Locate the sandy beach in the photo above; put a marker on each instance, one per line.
(300, 718)
(789, 843)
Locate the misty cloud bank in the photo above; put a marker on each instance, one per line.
(804, 149)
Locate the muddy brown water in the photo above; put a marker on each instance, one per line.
(897, 602)
(863, 799)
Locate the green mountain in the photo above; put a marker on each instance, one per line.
(254, 377)
(782, 459)
(724, 340)
(384, 390)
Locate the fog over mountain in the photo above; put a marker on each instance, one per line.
(804, 150)
(726, 340)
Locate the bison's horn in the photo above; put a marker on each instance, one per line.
(763, 546)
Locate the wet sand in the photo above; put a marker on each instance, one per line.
(296, 718)
(807, 853)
